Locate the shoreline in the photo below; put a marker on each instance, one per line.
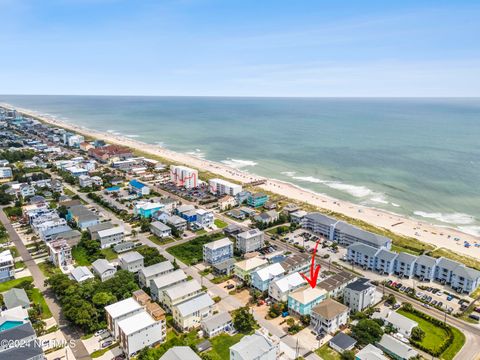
(403, 225)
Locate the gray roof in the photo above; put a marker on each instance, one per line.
(343, 341)
(252, 346)
(426, 260)
(176, 220)
(180, 353)
(131, 257)
(24, 352)
(392, 345)
(447, 264)
(159, 226)
(100, 227)
(102, 265)
(17, 333)
(374, 239)
(123, 246)
(364, 249)
(16, 297)
(215, 321)
(406, 258)
(158, 268)
(359, 285)
(467, 273)
(386, 255)
(320, 218)
(195, 304)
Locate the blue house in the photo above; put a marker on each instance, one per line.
(146, 209)
(138, 188)
(218, 251)
(257, 200)
(385, 261)
(465, 280)
(404, 264)
(444, 271)
(424, 268)
(261, 278)
(362, 255)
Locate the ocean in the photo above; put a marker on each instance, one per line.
(415, 157)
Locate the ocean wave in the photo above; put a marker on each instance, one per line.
(453, 218)
(132, 136)
(310, 179)
(238, 163)
(358, 191)
(380, 199)
(197, 153)
(472, 230)
(396, 205)
(289, 173)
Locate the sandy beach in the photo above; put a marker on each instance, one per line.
(441, 237)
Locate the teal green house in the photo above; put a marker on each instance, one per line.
(302, 301)
(257, 200)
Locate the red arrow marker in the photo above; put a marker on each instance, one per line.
(314, 270)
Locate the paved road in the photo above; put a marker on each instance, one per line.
(69, 331)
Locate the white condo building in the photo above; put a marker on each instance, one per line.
(223, 187)
(183, 176)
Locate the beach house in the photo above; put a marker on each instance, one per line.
(7, 266)
(328, 317)
(181, 292)
(424, 267)
(151, 272)
(103, 269)
(146, 209)
(138, 188)
(258, 346)
(250, 240)
(190, 313)
(359, 295)
(163, 282)
(217, 324)
(302, 301)
(257, 200)
(217, 251)
(244, 268)
(160, 230)
(280, 288)
(131, 261)
(261, 278)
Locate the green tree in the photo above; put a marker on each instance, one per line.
(347, 355)
(243, 320)
(367, 332)
(417, 334)
(151, 256)
(101, 299)
(391, 299)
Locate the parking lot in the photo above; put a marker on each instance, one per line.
(431, 296)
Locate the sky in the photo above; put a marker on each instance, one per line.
(240, 48)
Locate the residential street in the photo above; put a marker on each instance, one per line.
(70, 332)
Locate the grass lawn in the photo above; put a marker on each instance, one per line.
(14, 251)
(48, 269)
(109, 254)
(100, 352)
(19, 264)
(434, 335)
(458, 342)
(191, 252)
(327, 353)
(405, 250)
(68, 192)
(80, 256)
(37, 298)
(201, 232)
(7, 285)
(159, 241)
(221, 345)
(220, 223)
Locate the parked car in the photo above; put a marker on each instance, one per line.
(474, 317)
(107, 343)
(100, 332)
